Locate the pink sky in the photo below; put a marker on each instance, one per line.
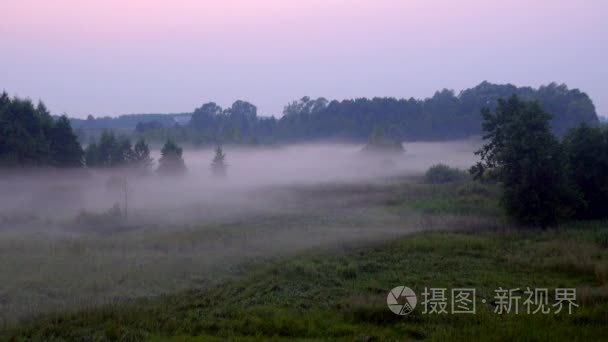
(109, 57)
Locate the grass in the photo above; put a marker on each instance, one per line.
(342, 294)
(339, 293)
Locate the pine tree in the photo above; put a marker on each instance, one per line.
(105, 149)
(65, 148)
(141, 155)
(91, 155)
(218, 165)
(171, 161)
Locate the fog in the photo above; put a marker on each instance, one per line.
(254, 175)
(196, 230)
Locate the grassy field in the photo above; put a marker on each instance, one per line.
(338, 290)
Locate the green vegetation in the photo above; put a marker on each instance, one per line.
(444, 116)
(441, 173)
(529, 162)
(321, 266)
(340, 292)
(141, 155)
(112, 151)
(544, 181)
(586, 150)
(171, 161)
(34, 138)
(342, 295)
(31, 137)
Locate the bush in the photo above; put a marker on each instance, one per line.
(475, 188)
(440, 173)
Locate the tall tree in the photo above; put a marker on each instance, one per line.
(141, 155)
(65, 148)
(586, 149)
(122, 153)
(106, 149)
(91, 155)
(528, 160)
(171, 161)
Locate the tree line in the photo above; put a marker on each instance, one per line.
(111, 151)
(545, 179)
(444, 116)
(31, 137)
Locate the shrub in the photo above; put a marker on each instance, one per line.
(440, 173)
(474, 188)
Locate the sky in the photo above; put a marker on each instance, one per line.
(111, 57)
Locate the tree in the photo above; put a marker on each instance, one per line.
(446, 115)
(141, 155)
(171, 161)
(31, 137)
(528, 160)
(110, 152)
(586, 150)
(122, 152)
(64, 146)
(106, 150)
(91, 155)
(218, 165)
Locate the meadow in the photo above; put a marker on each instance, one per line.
(308, 260)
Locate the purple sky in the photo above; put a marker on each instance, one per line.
(110, 57)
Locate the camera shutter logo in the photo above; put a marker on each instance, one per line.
(401, 300)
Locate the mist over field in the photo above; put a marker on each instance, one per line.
(194, 230)
(341, 170)
(252, 175)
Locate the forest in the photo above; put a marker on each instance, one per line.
(444, 116)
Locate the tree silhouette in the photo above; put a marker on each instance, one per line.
(141, 155)
(171, 161)
(218, 165)
(586, 149)
(528, 160)
(30, 136)
(64, 146)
